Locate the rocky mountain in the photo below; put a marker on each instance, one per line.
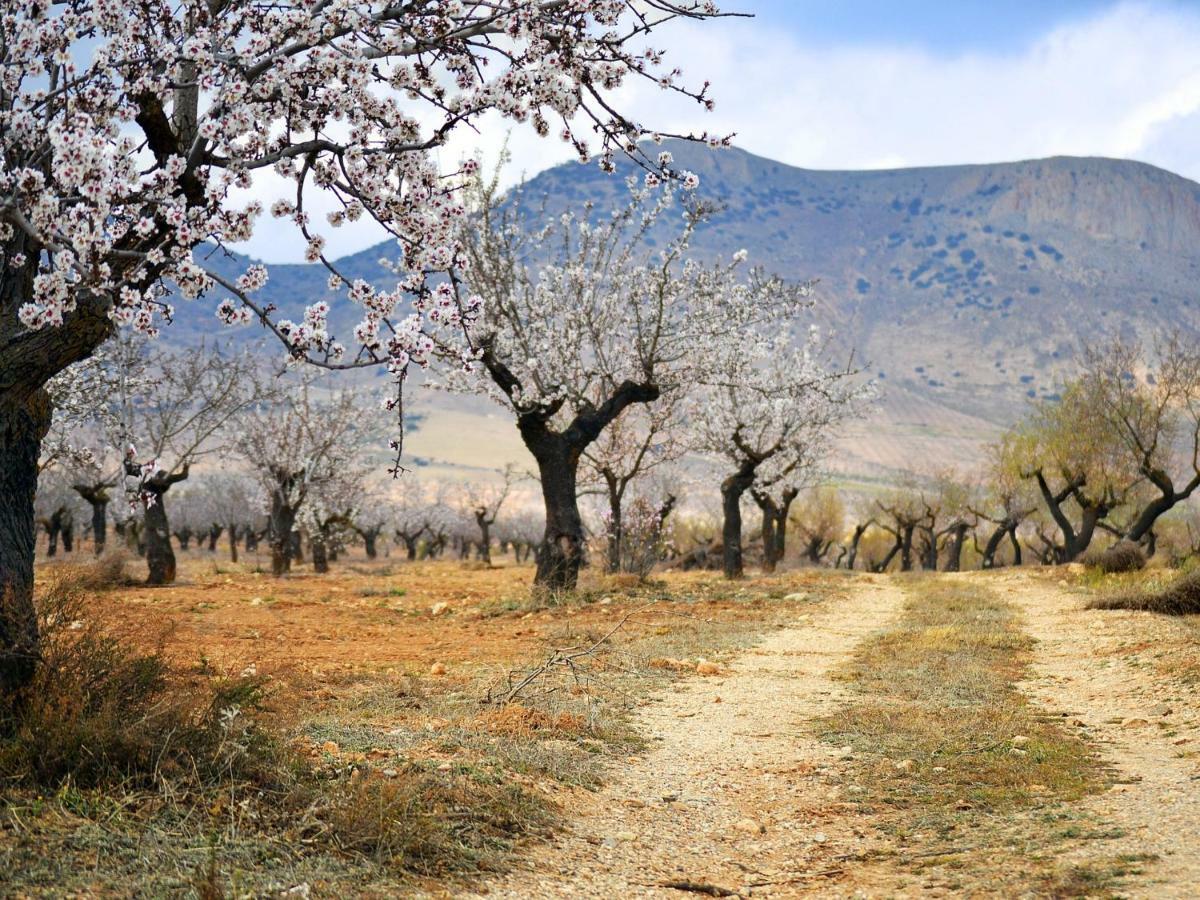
(965, 289)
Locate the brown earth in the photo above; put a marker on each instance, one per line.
(733, 790)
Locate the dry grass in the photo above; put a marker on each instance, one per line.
(101, 712)
(431, 823)
(1178, 597)
(369, 774)
(1169, 642)
(109, 746)
(113, 569)
(950, 753)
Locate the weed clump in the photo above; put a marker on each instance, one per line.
(111, 570)
(429, 823)
(1179, 598)
(99, 712)
(1123, 556)
(515, 720)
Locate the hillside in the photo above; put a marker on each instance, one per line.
(966, 288)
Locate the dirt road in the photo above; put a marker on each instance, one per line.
(1105, 670)
(736, 795)
(733, 791)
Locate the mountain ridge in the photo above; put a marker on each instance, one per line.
(968, 288)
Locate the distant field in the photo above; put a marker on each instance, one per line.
(467, 438)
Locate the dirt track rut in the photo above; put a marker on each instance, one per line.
(733, 790)
(1147, 728)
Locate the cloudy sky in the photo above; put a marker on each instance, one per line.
(877, 84)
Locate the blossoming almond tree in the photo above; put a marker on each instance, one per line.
(329, 509)
(309, 437)
(180, 415)
(482, 502)
(77, 440)
(583, 319)
(768, 412)
(643, 439)
(228, 500)
(128, 131)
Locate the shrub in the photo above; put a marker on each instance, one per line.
(1123, 556)
(642, 544)
(99, 574)
(99, 711)
(1180, 598)
(102, 715)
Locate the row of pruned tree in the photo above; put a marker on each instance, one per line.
(281, 455)
(1114, 455)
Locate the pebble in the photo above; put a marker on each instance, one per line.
(438, 608)
(749, 826)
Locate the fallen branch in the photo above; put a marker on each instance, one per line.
(804, 876)
(565, 658)
(697, 887)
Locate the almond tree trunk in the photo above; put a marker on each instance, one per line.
(282, 520)
(160, 557)
(615, 524)
(955, 548)
(485, 535)
(22, 427)
(320, 554)
(97, 496)
(732, 489)
(560, 554)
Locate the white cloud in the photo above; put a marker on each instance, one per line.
(1100, 86)
(1122, 83)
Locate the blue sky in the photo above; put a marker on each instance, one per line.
(869, 84)
(943, 27)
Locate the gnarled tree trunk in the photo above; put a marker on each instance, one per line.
(485, 534)
(320, 553)
(955, 548)
(774, 525)
(615, 523)
(560, 554)
(282, 521)
(68, 532)
(859, 531)
(732, 489)
(22, 427)
(28, 359)
(160, 558)
(97, 496)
